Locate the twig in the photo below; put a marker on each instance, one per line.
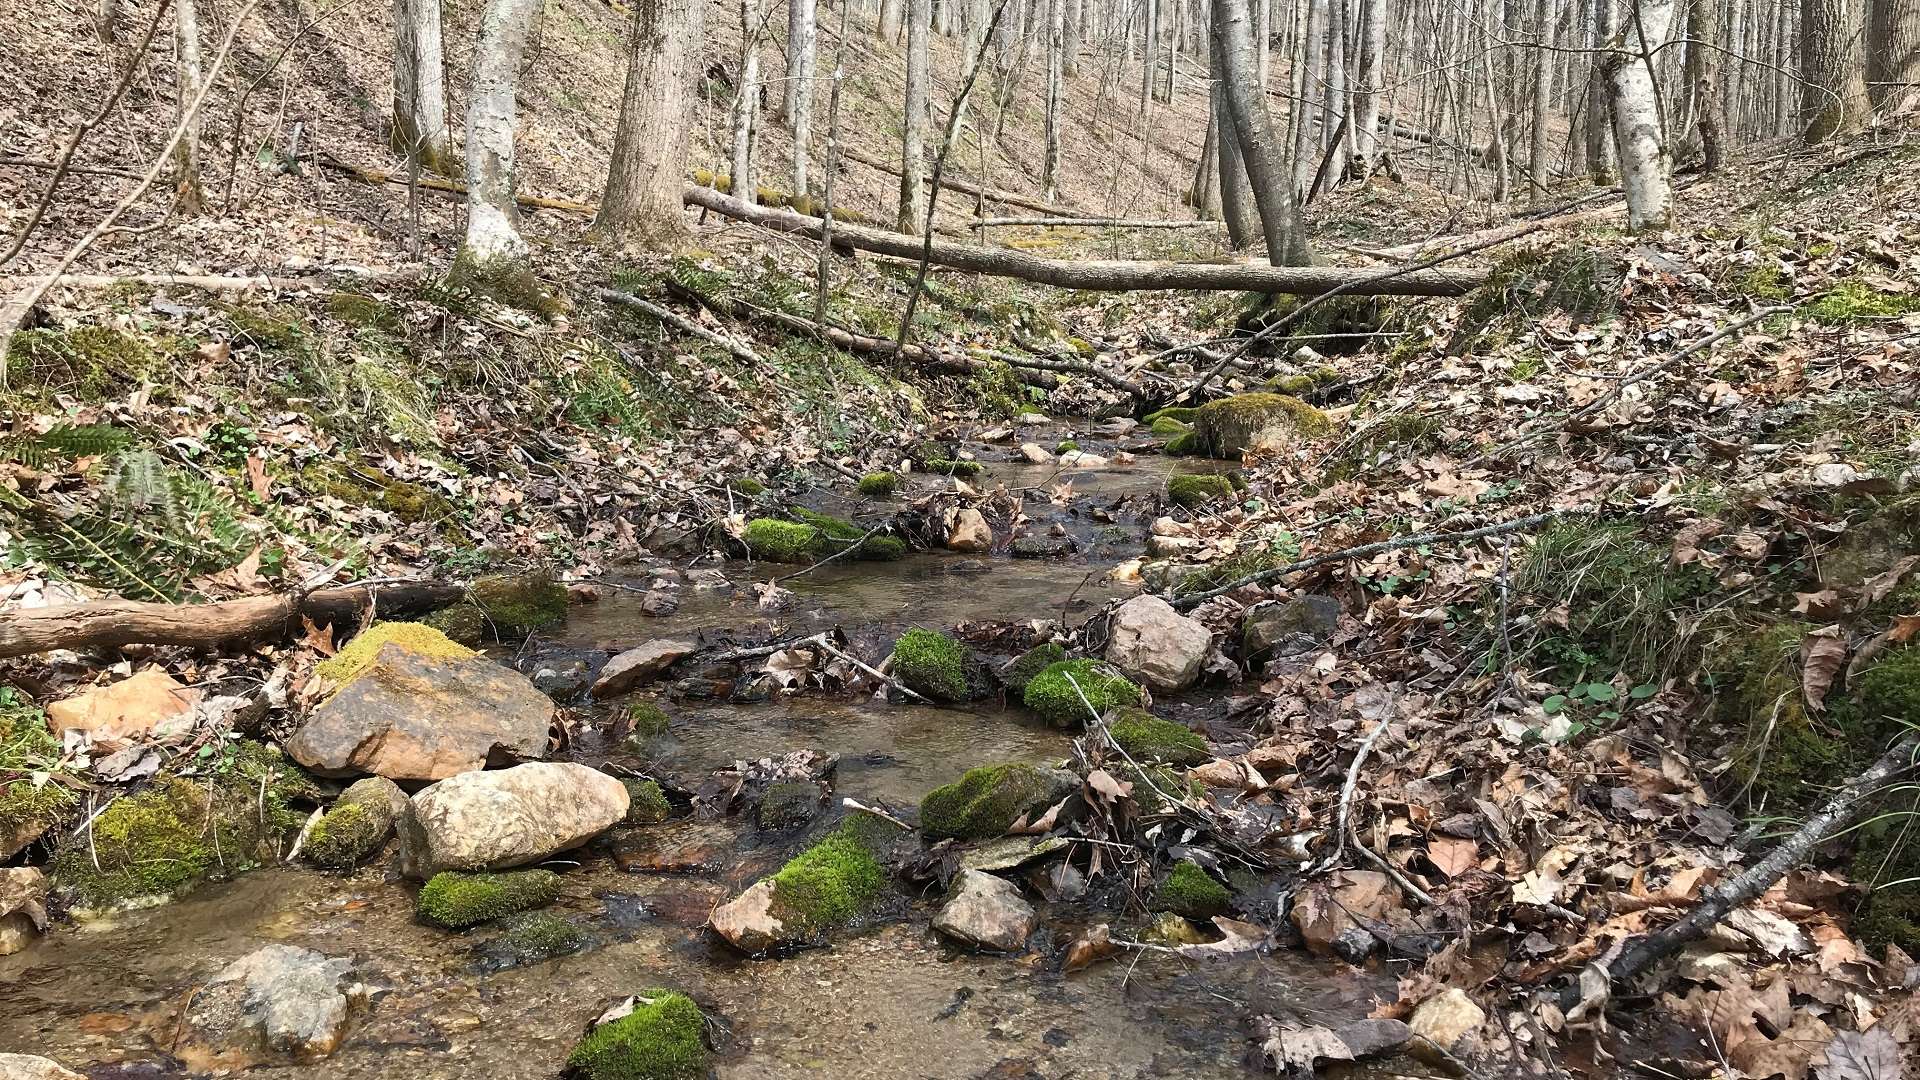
(860, 807)
(851, 546)
(1188, 603)
(681, 322)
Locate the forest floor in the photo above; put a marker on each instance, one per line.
(1565, 733)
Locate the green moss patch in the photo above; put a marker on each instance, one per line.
(1188, 891)
(646, 803)
(455, 901)
(772, 540)
(1031, 663)
(661, 1039)
(90, 362)
(1177, 414)
(987, 800)
(519, 604)
(1853, 300)
(932, 664)
(347, 664)
(1185, 444)
(1166, 427)
(464, 623)
(1197, 489)
(347, 835)
(879, 485)
(835, 534)
(1233, 425)
(1149, 738)
(836, 880)
(1051, 693)
(533, 936)
(28, 746)
(649, 721)
(356, 309)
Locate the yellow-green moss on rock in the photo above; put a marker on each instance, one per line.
(837, 880)
(1198, 489)
(1852, 300)
(407, 501)
(1030, 663)
(347, 835)
(357, 655)
(1152, 739)
(988, 799)
(455, 900)
(646, 803)
(1188, 891)
(1052, 695)
(879, 485)
(661, 1039)
(773, 540)
(931, 664)
(1234, 425)
(519, 604)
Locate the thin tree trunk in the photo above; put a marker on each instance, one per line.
(493, 218)
(798, 99)
(1370, 80)
(746, 98)
(1600, 152)
(419, 88)
(1543, 22)
(1236, 198)
(186, 87)
(1833, 65)
(1204, 195)
(1070, 44)
(1703, 72)
(649, 166)
(891, 12)
(1253, 129)
(1056, 59)
(1893, 55)
(1783, 63)
(913, 133)
(1645, 159)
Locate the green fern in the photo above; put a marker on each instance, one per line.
(86, 440)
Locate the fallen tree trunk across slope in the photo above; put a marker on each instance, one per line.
(966, 188)
(1108, 275)
(204, 626)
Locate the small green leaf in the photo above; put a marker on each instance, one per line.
(1554, 704)
(1643, 691)
(1601, 691)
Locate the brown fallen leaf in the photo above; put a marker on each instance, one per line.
(1453, 856)
(1087, 949)
(1822, 654)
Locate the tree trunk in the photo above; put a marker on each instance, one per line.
(1070, 43)
(1893, 55)
(1543, 23)
(186, 86)
(1109, 274)
(1783, 81)
(1371, 80)
(1599, 101)
(1204, 195)
(649, 166)
(1833, 67)
(419, 88)
(913, 133)
(1703, 73)
(798, 99)
(746, 99)
(1308, 56)
(1236, 198)
(891, 12)
(1252, 128)
(1645, 160)
(493, 219)
(106, 14)
(1056, 58)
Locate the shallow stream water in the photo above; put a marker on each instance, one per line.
(108, 996)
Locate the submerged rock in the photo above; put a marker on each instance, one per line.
(1156, 644)
(23, 916)
(512, 817)
(789, 803)
(1041, 547)
(988, 799)
(641, 664)
(413, 705)
(279, 999)
(970, 533)
(358, 824)
(829, 885)
(646, 802)
(657, 1035)
(986, 912)
(530, 937)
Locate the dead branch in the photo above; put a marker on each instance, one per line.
(112, 623)
(1111, 275)
(449, 187)
(1097, 223)
(206, 282)
(966, 188)
(1594, 985)
(681, 322)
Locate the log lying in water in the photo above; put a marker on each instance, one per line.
(1109, 275)
(205, 626)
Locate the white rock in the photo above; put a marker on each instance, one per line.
(986, 912)
(970, 533)
(748, 921)
(1035, 453)
(33, 1067)
(282, 999)
(1446, 1019)
(509, 817)
(1156, 644)
(1080, 459)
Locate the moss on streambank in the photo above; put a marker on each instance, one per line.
(815, 536)
(988, 799)
(1053, 694)
(455, 901)
(838, 879)
(1150, 739)
(931, 664)
(1189, 892)
(661, 1039)
(357, 655)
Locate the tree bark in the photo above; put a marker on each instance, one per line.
(891, 14)
(1833, 67)
(419, 88)
(1070, 43)
(112, 623)
(1108, 275)
(493, 218)
(1543, 26)
(1893, 55)
(1273, 193)
(797, 102)
(649, 166)
(1599, 100)
(913, 132)
(186, 86)
(1056, 92)
(1204, 194)
(746, 99)
(1371, 81)
(1645, 159)
(1236, 198)
(1703, 73)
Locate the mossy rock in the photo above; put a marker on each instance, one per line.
(1302, 384)
(661, 1039)
(952, 466)
(463, 623)
(357, 655)
(1234, 425)
(276, 326)
(1578, 282)
(985, 801)
(1030, 663)
(533, 936)
(1051, 693)
(1189, 892)
(355, 827)
(1179, 414)
(455, 900)
(834, 534)
(1185, 444)
(1198, 489)
(648, 722)
(879, 485)
(772, 540)
(646, 803)
(748, 486)
(1150, 739)
(1149, 781)
(519, 604)
(931, 664)
(836, 881)
(1065, 446)
(89, 362)
(787, 804)
(1166, 427)
(358, 309)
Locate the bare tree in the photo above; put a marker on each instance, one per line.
(649, 167)
(746, 101)
(891, 12)
(1832, 67)
(797, 102)
(913, 133)
(493, 218)
(1703, 75)
(1056, 60)
(1370, 81)
(1273, 192)
(1893, 55)
(186, 87)
(1645, 159)
(419, 88)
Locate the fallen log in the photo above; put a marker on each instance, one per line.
(966, 188)
(109, 623)
(1097, 223)
(317, 279)
(1110, 275)
(443, 186)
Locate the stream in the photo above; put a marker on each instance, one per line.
(107, 996)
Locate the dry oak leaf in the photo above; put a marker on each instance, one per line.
(1822, 654)
(1872, 1054)
(1453, 856)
